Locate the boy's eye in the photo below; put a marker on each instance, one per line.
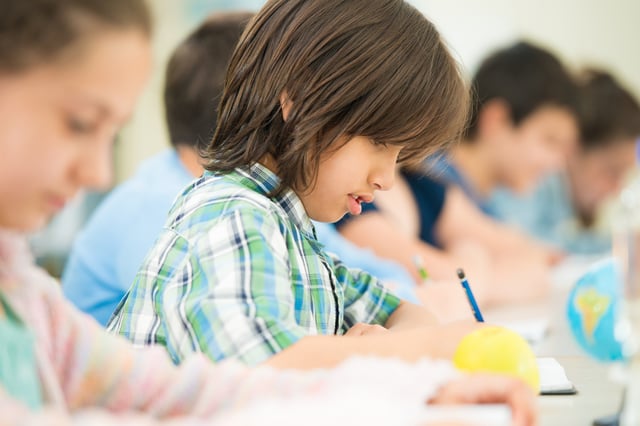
(380, 145)
(80, 126)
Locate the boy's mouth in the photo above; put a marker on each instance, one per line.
(355, 203)
(355, 206)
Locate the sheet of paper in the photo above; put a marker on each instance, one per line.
(533, 330)
(553, 378)
(471, 415)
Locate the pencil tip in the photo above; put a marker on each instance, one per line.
(460, 273)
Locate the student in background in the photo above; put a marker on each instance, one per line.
(109, 251)
(69, 73)
(422, 218)
(312, 122)
(563, 210)
(522, 125)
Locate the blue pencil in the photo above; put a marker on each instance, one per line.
(472, 300)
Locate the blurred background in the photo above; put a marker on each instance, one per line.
(580, 32)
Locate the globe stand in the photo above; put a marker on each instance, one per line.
(612, 419)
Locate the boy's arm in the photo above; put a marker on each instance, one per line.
(122, 386)
(368, 300)
(436, 341)
(94, 370)
(408, 316)
(461, 219)
(520, 266)
(388, 243)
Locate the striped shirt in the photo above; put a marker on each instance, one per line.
(239, 273)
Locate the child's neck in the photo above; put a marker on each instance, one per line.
(270, 163)
(476, 165)
(190, 159)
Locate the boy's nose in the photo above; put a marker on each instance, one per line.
(553, 162)
(385, 178)
(95, 170)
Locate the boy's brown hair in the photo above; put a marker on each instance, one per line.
(195, 78)
(373, 68)
(526, 78)
(608, 114)
(39, 31)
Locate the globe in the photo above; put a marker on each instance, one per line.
(591, 310)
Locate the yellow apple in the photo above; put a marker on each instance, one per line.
(498, 350)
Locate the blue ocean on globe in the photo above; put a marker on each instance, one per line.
(591, 311)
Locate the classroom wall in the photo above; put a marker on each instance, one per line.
(579, 31)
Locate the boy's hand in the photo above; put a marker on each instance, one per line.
(362, 329)
(492, 389)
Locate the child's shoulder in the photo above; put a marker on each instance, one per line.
(216, 197)
(33, 293)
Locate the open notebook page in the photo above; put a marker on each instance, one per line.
(553, 378)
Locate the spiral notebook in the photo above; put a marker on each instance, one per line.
(553, 378)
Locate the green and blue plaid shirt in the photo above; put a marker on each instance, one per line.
(236, 273)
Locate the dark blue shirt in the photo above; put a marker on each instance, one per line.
(429, 195)
(447, 172)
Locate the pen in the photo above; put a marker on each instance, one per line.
(422, 272)
(472, 300)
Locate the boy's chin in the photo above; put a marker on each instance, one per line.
(327, 217)
(25, 223)
(525, 186)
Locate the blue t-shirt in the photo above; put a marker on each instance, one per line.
(429, 195)
(108, 252)
(547, 213)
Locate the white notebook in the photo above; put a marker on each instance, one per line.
(553, 378)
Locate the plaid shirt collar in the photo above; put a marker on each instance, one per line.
(262, 180)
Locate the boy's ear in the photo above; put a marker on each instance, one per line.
(285, 105)
(494, 117)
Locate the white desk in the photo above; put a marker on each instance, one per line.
(597, 394)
